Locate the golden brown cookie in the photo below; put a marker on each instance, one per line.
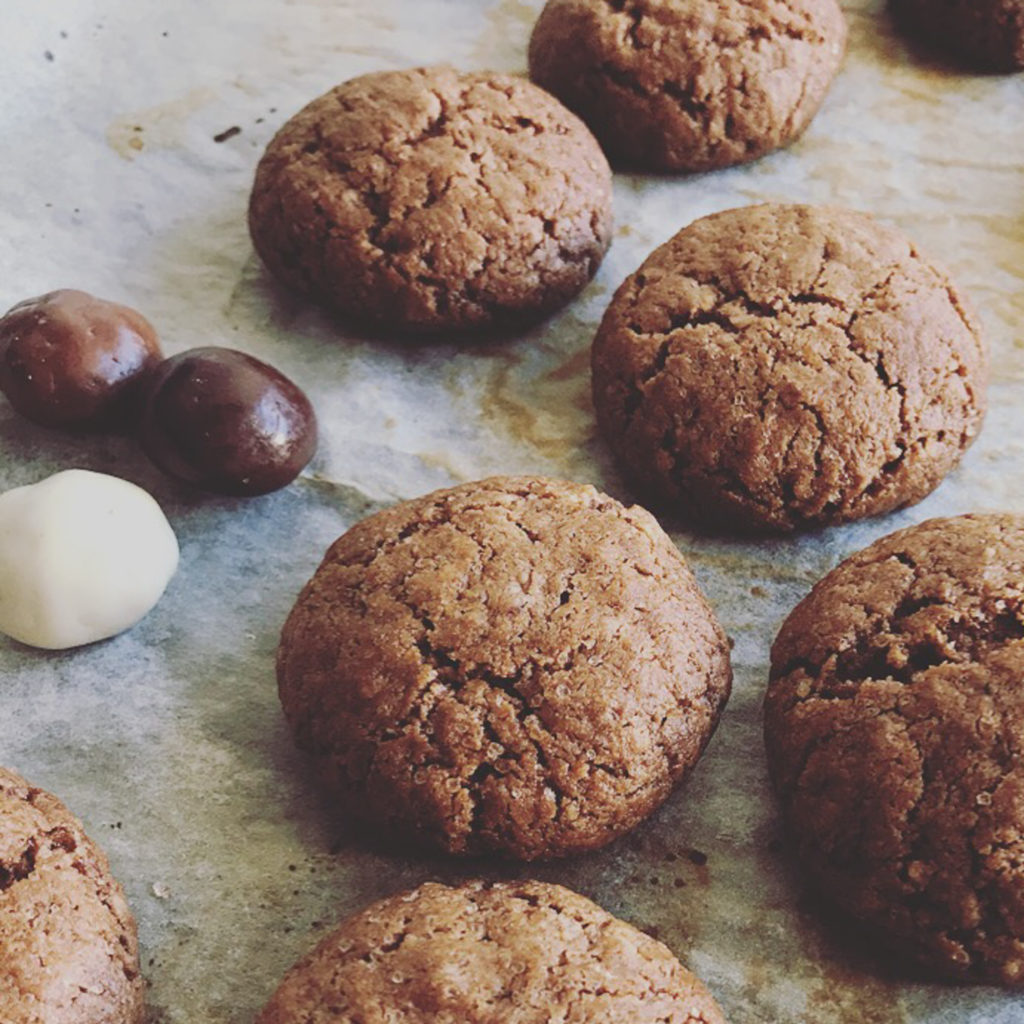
(779, 367)
(517, 665)
(517, 952)
(689, 85)
(985, 34)
(431, 200)
(894, 724)
(68, 948)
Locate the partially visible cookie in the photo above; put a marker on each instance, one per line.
(986, 34)
(894, 723)
(780, 367)
(433, 200)
(689, 85)
(517, 665)
(517, 952)
(68, 948)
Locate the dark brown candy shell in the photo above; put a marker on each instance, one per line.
(69, 359)
(227, 422)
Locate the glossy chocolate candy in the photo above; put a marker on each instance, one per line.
(226, 422)
(69, 359)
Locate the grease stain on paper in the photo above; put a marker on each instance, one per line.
(446, 463)
(158, 127)
(551, 413)
(503, 41)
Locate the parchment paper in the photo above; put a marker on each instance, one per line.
(168, 741)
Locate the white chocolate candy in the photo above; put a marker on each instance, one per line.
(82, 556)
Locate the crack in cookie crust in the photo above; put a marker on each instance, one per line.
(527, 953)
(788, 366)
(516, 665)
(430, 199)
(689, 85)
(893, 723)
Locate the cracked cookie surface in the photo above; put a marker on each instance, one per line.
(430, 200)
(68, 945)
(516, 952)
(516, 665)
(894, 724)
(689, 85)
(779, 367)
(987, 34)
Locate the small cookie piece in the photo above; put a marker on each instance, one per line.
(431, 200)
(689, 85)
(893, 723)
(68, 359)
(516, 665)
(517, 952)
(985, 34)
(67, 938)
(780, 367)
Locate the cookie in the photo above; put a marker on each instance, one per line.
(431, 200)
(67, 938)
(689, 85)
(518, 666)
(894, 723)
(518, 952)
(985, 34)
(779, 367)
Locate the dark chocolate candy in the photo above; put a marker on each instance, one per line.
(68, 359)
(226, 422)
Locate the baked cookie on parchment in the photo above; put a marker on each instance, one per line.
(68, 946)
(517, 952)
(517, 665)
(894, 723)
(431, 200)
(689, 85)
(779, 367)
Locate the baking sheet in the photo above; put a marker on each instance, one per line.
(168, 741)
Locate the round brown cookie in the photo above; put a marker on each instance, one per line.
(432, 200)
(987, 34)
(517, 952)
(778, 367)
(516, 665)
(68, 946)
(894, 723)
(689, 85)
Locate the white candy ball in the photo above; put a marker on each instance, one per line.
(83, 556)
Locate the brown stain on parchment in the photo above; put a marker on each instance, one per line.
(768, 562)
(574, 366)
(551, 413)
(158, 127)
(832, 992)
(842, 995)
(442, 461)
(509, 24)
